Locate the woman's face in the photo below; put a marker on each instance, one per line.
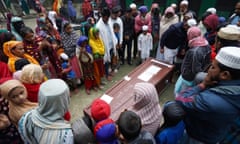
(29, 37)
(18, 50)
(18, 95)
(169, 15)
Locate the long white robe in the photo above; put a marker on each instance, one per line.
(145, 45)
(106, 38)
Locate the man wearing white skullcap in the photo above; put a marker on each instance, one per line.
(213, 106)
(133, 6)
(228, 36)
(183, 9)
(211, 10)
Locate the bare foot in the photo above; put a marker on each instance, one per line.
(88, 91)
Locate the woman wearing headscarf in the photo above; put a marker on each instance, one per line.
(167, 19)
(211, 23)
(196, 59)
(8, 132)
(46, 124)
(15, 50)
(16, 94)
(69, 41)
(146, 105)
(97, 46)
(52, 16)
(16, 25)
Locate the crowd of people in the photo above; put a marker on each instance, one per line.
(40, 67)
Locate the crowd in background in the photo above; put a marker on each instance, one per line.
(39, 67)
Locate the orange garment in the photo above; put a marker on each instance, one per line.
(7, 47)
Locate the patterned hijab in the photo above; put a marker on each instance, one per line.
(146, 105)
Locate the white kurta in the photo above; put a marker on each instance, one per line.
(145, 45)
(108, 38)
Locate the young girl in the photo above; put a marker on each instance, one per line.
(67, 68)
(86, 60)
(16, 94)
(69, 41)
(144, 43)
(8, 132)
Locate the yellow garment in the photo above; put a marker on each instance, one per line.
(15, 110)
(96, 43)
(7, 47)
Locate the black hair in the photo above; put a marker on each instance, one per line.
(129, 124)
(173, 113)
(105, 12)
(87, 120)
(20, 63)
(233, 72)
(25, 30)
(116, 25)
(4, 37)
(65, 25)
(18, 25)
(225, 42)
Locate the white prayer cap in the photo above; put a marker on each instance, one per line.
(229, 56)
(145, 28)
(211, 10)
(230, 32)
(133, 6)
(192, 22)
(64, 56)
(173, 5)
(184, 2)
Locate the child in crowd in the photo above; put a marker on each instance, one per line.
(83, 130)
(173, 127)
(116, 53)
(19, 64)
(86, 60)
(145, 41)
(46, 124)
(67, 68)
(69, 41)
(100, 110)
(105, 131)
(16, 94)
(8, 132)
(32, 76)
(129, 126)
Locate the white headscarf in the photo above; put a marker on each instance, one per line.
(52, 17)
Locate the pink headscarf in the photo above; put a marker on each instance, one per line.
(195, 39)
(169, 10)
